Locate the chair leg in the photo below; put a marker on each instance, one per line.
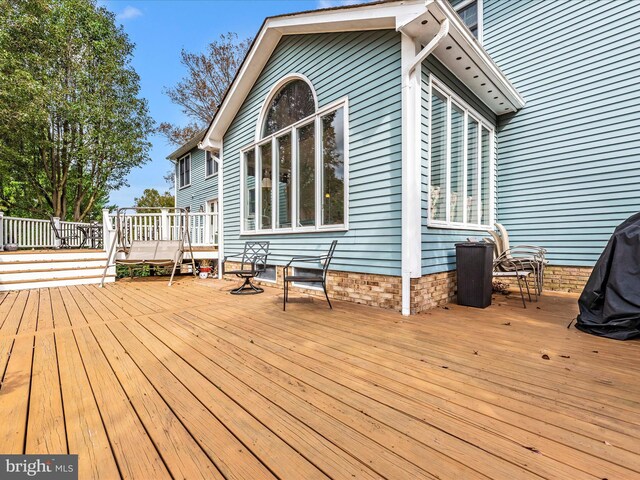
(524, 304)
(526, 283)
(173, 272)
(247, 288)
(324, 287)
(284, 302)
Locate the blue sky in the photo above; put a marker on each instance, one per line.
(160, 29)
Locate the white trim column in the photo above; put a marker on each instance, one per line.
(411, 169)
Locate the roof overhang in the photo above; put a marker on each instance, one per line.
(407, 16)
(188, 146)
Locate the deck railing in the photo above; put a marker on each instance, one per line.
(203, 227)
(38, 233)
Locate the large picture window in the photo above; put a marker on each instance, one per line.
(460, 163)
(301, 165)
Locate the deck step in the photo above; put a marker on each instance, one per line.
(55, 282)
(50, 273)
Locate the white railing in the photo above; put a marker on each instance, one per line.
(37, 233)
(203, 227)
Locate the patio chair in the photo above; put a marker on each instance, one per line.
(530, 256)
(253, 260)
(64, 239)
(505, 265)
(324, 260)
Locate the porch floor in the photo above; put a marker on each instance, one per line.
(146, 381)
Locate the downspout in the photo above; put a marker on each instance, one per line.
(411, 158)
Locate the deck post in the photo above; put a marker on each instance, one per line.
(1, 231)
(107, 228)
(165, 231)
(56, 241)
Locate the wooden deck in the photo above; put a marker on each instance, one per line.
(149, 382)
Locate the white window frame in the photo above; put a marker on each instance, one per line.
(479, 8)
(291, 129)
(452, 97)
(216, 165)
(186, 158)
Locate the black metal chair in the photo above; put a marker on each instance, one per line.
(325, 260)
(253, 260)
(64, 239)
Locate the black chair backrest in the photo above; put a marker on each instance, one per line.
(327, 258)
(56, 232)
(255, 255)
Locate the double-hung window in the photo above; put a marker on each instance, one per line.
(294, 177)
(211, 164)
(461, 163)
(184, 171)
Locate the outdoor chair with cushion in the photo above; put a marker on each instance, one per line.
(321, 277)
(65, 239)
(155, 253)
(253, 260)
(531, 257)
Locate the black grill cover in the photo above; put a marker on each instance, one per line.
(610, 302)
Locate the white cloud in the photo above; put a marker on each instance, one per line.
(339, 3)
(129, 13)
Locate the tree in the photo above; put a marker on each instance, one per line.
(152, 198)
(72, 125)
(201, 91)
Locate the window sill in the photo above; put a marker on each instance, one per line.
(458, 226)
(211, 176)
(184, 186)
(287, 231)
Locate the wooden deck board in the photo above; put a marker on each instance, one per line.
(148, 381)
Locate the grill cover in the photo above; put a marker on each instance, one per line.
(610, 302)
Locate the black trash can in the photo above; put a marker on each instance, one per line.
(474, 265)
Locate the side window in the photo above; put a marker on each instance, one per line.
(471, 13)
(211, 164)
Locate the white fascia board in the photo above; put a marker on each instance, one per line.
(365, 17)
(471, 46)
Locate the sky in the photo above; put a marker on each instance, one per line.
(160, 29)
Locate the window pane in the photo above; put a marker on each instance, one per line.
(486, 178)
(438, 156)
(293, 102)
(283, 194)
(306, 176)
(472, 172)
(208, 164)
(469, 16)
(457, 159)
(265, 185)
(181, 173)
(250, 190)
(333, 168)
(187, 171)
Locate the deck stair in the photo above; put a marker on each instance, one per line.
(51, 268)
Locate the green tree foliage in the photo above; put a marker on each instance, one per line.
(72, 125)
(201, 91)
(152, 198)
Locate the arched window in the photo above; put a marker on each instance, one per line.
(294, 177)
(293, 102)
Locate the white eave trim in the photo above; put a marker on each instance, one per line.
(405, 15)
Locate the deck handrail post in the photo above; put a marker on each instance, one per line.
(164, 219)
(108, 232)
(56, 241)
(1, 231)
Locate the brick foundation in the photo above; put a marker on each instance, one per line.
(383, 291)
(429, 291)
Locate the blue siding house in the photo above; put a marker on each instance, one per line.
(402, 127)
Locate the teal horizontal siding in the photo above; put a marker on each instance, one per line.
(568, 161)
(365, 67)
(201, 189)
(438, 244)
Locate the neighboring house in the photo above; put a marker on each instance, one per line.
(393, 129)
(196, 177)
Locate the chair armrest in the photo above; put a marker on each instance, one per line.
(306, 259)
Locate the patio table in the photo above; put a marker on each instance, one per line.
(93, 233)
